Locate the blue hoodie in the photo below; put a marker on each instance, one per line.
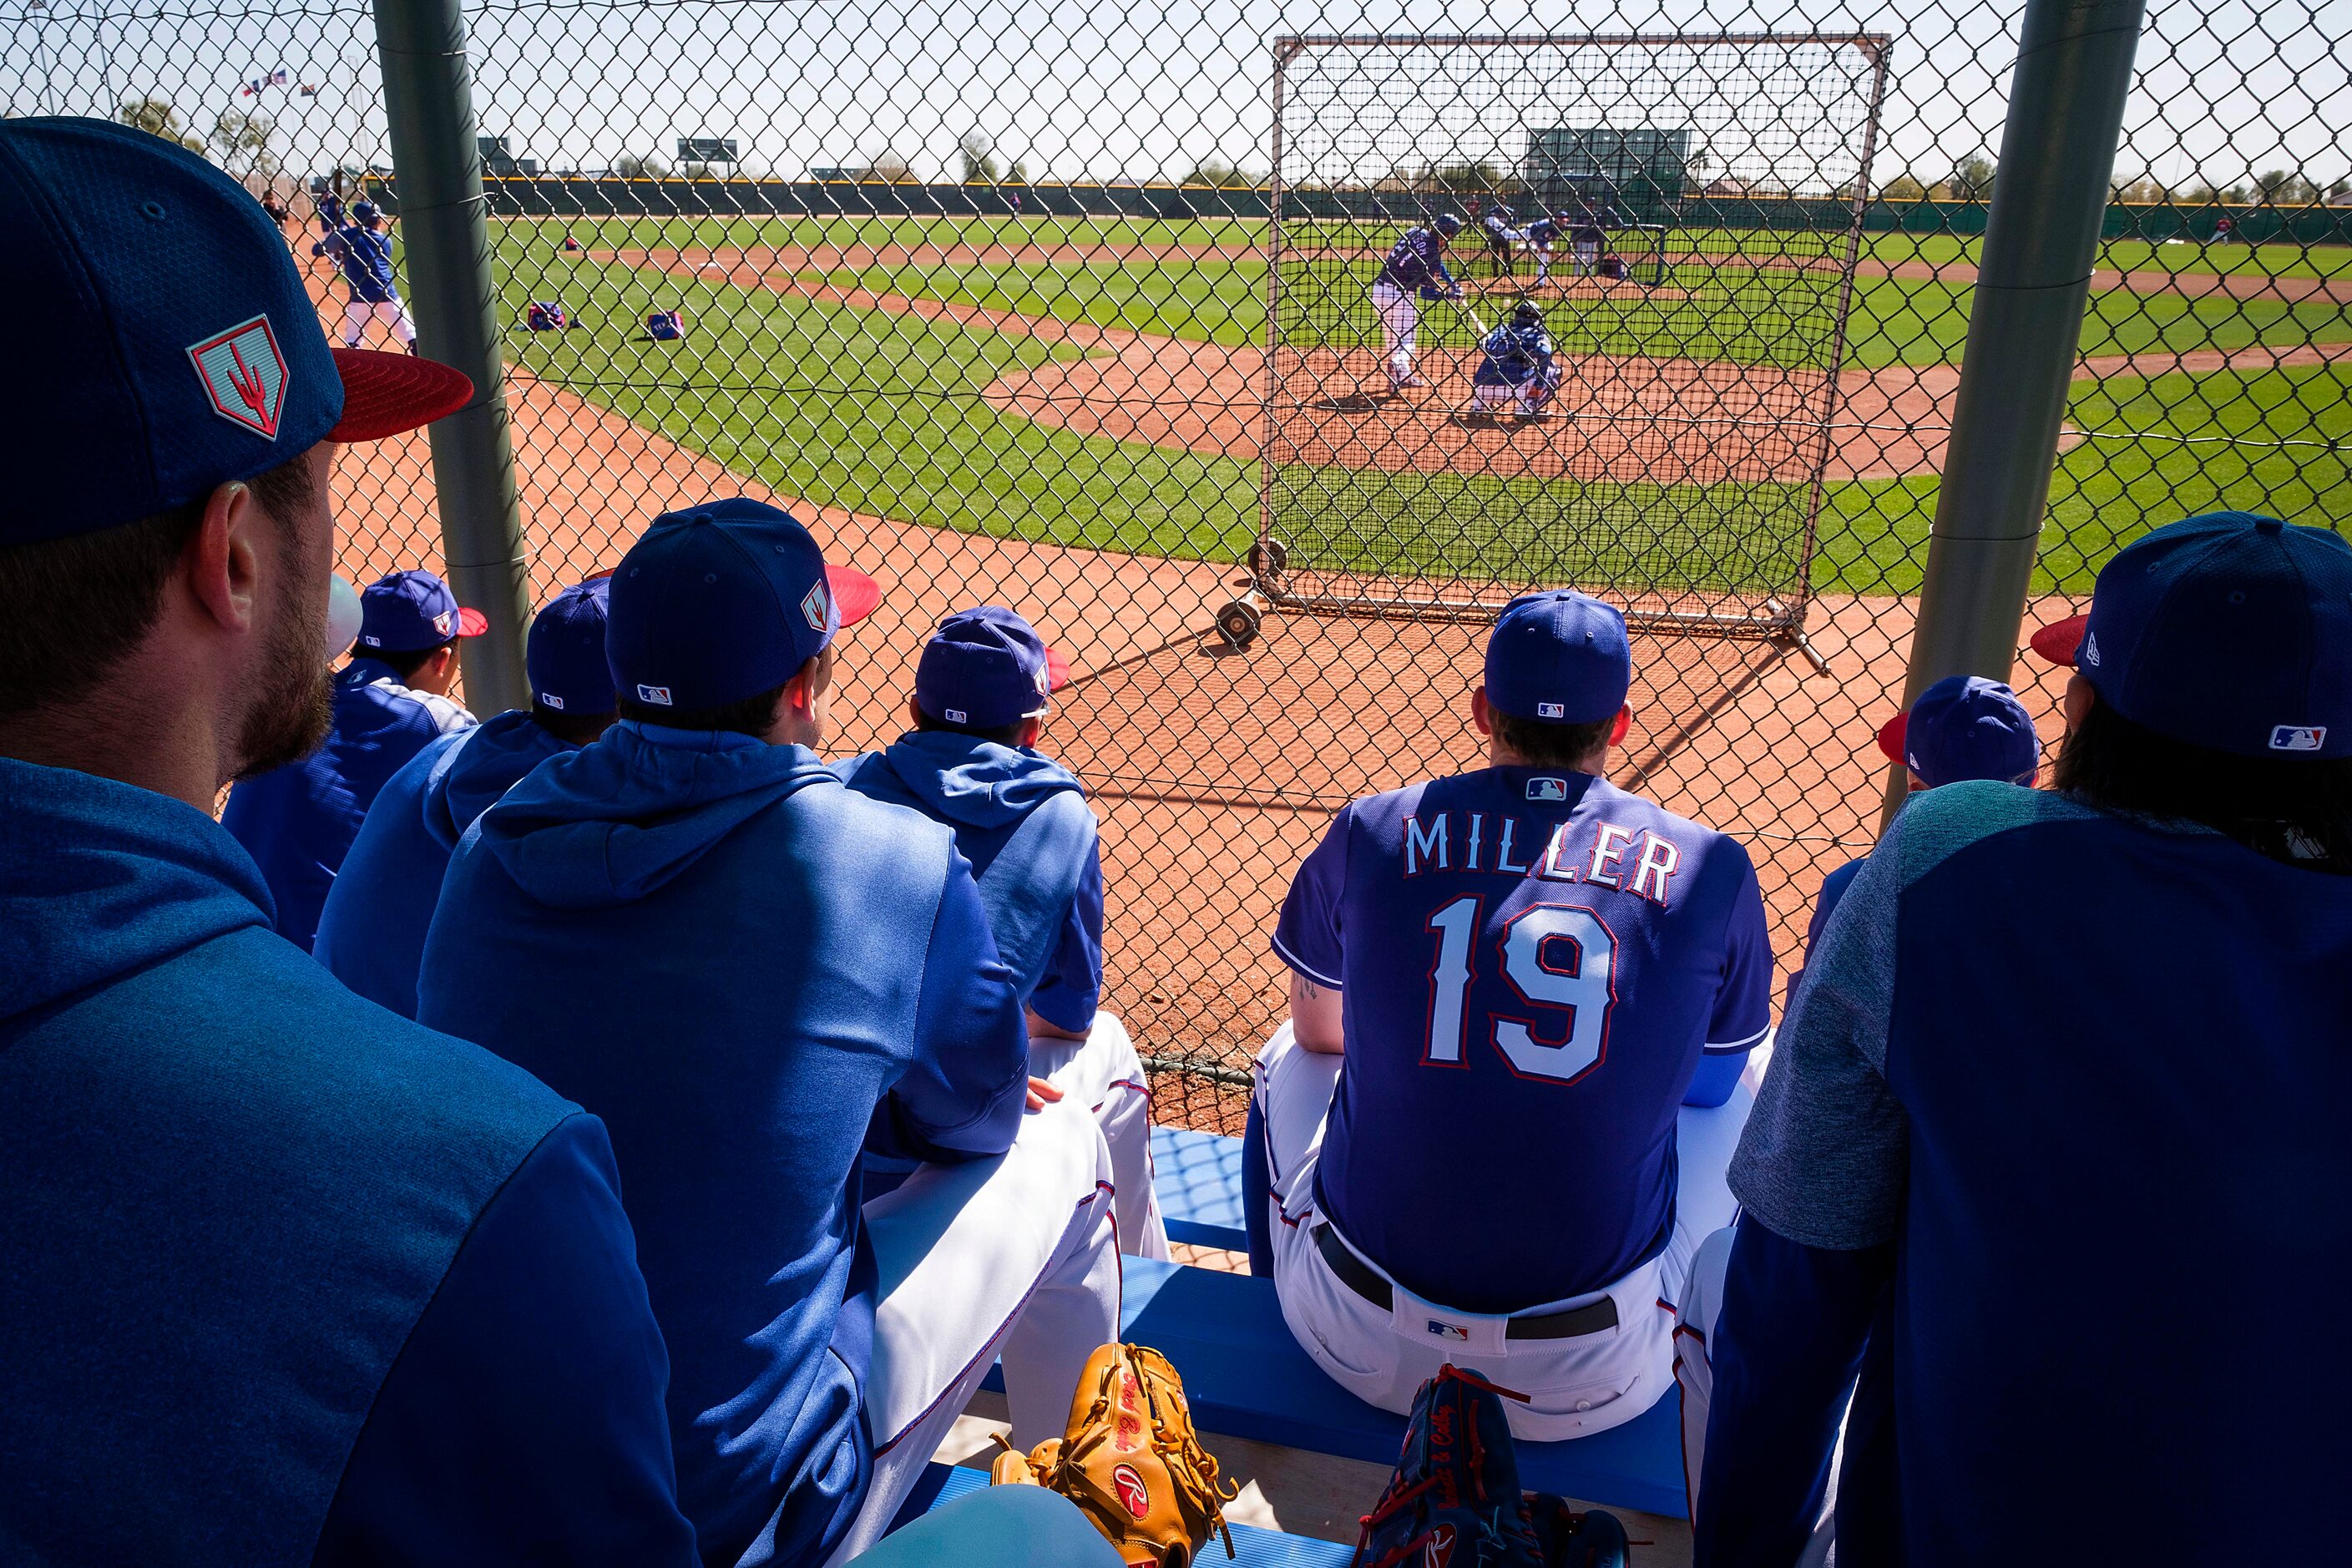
(742, 967)
(1022, 821)
(294, 1279)
(372, 932)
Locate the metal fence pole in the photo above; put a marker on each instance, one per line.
(429, 114)
(2033, 279)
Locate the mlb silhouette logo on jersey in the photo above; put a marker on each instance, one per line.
(1547, 789)
(654, 694)
(2298, 737)
(1445, 1331)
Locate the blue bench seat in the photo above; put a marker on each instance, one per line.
(1198, 1176)
(1246, 1377)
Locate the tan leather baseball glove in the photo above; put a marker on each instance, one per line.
(1130, 1461)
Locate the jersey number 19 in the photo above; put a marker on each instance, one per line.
(1555, 957)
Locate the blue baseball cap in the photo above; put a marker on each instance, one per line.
(167, 328)
(2231, 631)
(723, 601)
(363, 212)
(1447, 224)
(987, 668)
(406, 612)
(1559, 657)
(1964, 727)
(565, 657)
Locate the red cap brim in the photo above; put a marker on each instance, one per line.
(2057, 643)
(1057, 671)
(385, 394)
(854, 593)
(471, 623)
(1890, 737)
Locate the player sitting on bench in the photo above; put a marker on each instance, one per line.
(1519, 369)
(1021, 819)
(1495, 1126)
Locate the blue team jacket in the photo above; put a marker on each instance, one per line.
(293, 1278)
(372, 932)
(1022, 821)
(298, 822)
(743, 968)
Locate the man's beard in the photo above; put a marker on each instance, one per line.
(295, 707)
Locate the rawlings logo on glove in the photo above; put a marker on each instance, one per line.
(1130, 1461)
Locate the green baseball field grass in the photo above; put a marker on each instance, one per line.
(881, 412)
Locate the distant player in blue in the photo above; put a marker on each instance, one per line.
(391, 702)
(1587, 236)
(982, 689)
(331, 213)
(1414, 271)
(363, 248)
(755, 974)
(1543, 240)
(1516, 369)
(372, 930)
(1524, 998)
(2068, 1074)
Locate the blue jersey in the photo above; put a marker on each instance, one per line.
(2154, 1102)
(1530, 965)
(1514, 356)
(1543, 231)
(298, 822)
(1417, 261)
(365, 258)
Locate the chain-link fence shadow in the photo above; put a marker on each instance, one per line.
(1084, 313)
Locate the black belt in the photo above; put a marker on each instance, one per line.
(1357, 1275)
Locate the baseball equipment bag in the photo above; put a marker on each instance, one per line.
(545, 315)
(1130, 1461)
(665, 326)
(1455, 1502)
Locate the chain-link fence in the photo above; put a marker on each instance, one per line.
(1005, 300)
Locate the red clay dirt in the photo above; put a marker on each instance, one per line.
(1216, 771)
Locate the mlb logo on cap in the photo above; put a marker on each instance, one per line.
(2299, 738)
(1551, 709)
(244, 374)
(658, 695)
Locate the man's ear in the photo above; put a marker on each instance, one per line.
(2080, 699)
(222, 562)
(1031, 729)
(1481, 714)
(801, 690)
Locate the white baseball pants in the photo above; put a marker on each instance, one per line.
(1400, 322)
(359, 313)
(1575, 1386)
(1587, 257)
(1012, 1257)
(1102, 1075)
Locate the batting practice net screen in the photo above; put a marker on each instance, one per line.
(1604, 388)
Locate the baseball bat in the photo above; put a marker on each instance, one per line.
(1471, 317)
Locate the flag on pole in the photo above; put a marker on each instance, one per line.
(279, 76)
(309, 90)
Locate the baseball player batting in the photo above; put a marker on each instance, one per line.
(363, 250)
(1414, 271)
(1495, 1126)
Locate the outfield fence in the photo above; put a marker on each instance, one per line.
(991, 296)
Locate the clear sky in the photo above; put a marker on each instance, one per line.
(1081, 88)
